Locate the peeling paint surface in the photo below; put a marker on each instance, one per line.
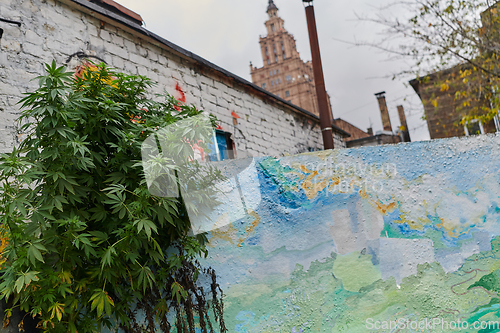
(342, 240)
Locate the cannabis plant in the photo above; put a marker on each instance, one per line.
(87, 245)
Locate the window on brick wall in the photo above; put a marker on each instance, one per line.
(222, 147)
(264, 86)
(272, 83)
(283, 50)
(288, 78)
(474, 127)
(287, 93)
(279, 80)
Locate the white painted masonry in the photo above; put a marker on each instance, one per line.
(53, 29)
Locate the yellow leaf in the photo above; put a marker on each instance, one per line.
(3, 244)
(110, 300)
(57, 310)
(65, 276)
(6, 319)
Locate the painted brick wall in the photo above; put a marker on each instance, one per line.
(55, 30)
(396, 238)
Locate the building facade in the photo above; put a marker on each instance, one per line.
(354, 131)
(69, 31)
(442, 93)
(444, 112)
(284, 73)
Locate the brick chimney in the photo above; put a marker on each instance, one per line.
(386, 120)
(404, 125)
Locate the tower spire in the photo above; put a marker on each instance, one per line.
(271, 6)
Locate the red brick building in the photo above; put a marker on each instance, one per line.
(443, 111)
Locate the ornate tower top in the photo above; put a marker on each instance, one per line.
(284, 73)
(272, 10)
(275, 23)
(271, 6)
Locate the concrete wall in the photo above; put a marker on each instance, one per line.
(57, 29)
(367, 238)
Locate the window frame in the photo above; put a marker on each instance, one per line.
(473, 121)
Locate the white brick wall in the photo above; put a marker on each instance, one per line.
(54, 30)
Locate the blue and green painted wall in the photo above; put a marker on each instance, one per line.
(375, 239)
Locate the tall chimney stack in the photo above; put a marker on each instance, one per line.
(404, 125)
(386, 120)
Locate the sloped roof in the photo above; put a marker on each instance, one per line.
(119, 9)
(356, 133)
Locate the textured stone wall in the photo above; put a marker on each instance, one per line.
(55, 30)
(396, 238)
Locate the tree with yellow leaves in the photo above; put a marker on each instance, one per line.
(455, 46)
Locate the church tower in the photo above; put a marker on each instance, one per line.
(284, 73)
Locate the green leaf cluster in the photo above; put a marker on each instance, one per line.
(86, 240)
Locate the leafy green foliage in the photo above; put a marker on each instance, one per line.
(87, 241)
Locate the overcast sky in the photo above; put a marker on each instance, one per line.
(226, 32)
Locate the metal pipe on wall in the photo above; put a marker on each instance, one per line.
(319, 80)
